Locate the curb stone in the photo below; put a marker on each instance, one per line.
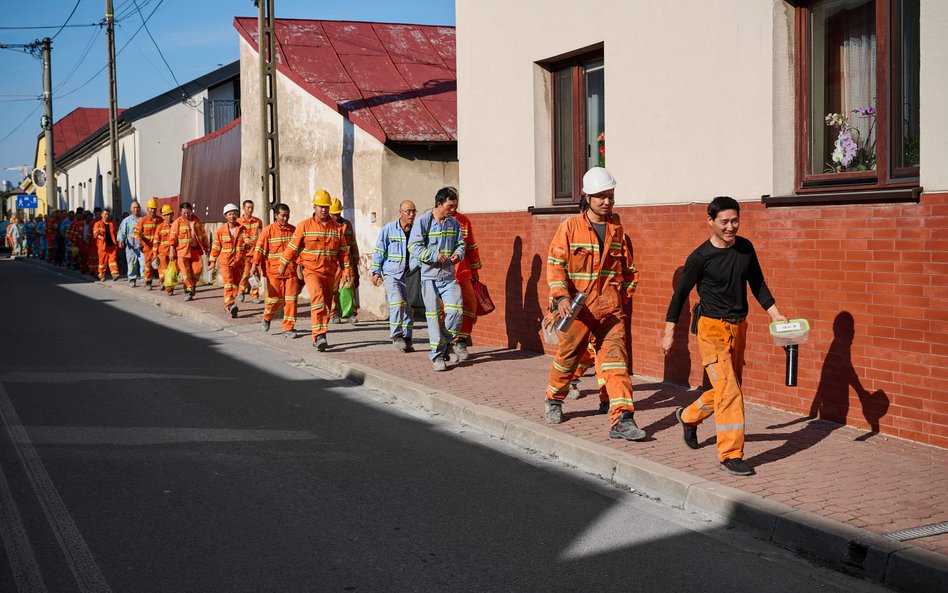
(848, 549)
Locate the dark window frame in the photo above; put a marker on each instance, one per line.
(576, 64)
(886, 176)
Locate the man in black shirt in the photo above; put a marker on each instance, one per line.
(722, 267)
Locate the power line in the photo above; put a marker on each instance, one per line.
(158, 48)
(28, 115)
(82, 57)
(68, 18)
(102, 69)
(34, 27)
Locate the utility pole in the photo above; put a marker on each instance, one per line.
(113, 114)
(51, 197)
(270, 153)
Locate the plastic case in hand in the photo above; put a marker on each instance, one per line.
(786, 333)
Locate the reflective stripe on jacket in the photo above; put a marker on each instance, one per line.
(391, 249)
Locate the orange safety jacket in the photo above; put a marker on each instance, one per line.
(99, 230)
(320, 246)
(183, 240)
(145, 232)
(52, 227)
(162, 234)
(253, 228)
(230, 250)
(575, 264)
(471, 264)
(74, 232)
(270, 246)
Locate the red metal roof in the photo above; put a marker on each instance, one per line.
(75, 127)
(397, 82)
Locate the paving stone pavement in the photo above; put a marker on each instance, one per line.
(867, 481)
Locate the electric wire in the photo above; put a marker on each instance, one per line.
(19, 125)
(68, 18)
(147, 30)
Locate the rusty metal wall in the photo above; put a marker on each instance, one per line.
(210, 173)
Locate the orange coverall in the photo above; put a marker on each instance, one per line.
(74, 238)
(252, 227)
(229, 250)
(189, 242)
(52, 227)
(88, 251)
(281, 290)
(163, 250)
(464, 273)
(144, 233)
(107, 253)
(322, 249)
(353, 269)
(608, 279)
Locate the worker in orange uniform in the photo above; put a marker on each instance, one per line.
(162, 243)
(282, 288)
(144, 233)
(466, 274)
(104, 232)
(52, 229)
(336, 212)
(589, 255)
(189, 241)
(320, 246)
(88, 250)
(252, 226)
(722, 268)
(74, 239)
(229, 251)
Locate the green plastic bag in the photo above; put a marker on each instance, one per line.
(346, 301)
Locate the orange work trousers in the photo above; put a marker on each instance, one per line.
(189, 269)
(107, 258)
(245, 280)
(148, 273)
(320, 291)
(721, 345)
(468, 310)
(230, 275)
(608, 337)
(163, 260)
(586, 360)
(282, 291)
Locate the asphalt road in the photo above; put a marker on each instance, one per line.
(140, 452)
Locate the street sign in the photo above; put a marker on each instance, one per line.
(26, 202)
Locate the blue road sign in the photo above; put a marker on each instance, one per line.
(26, 202)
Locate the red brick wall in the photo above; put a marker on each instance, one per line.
(872, 280)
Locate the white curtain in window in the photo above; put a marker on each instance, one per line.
(859, 71)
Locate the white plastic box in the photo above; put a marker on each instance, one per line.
(785, 333)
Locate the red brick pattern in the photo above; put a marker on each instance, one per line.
(871, 279)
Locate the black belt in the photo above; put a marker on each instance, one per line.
(734, 320)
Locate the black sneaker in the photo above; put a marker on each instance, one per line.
(603, 407)
(626, 428)
(737, 467)
(553, 412)
(689, 432)
(265, 325)
(399, 343)
(234, 310)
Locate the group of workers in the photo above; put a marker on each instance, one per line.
(591, 274)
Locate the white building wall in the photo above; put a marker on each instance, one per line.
(81, 177)
(933, 93)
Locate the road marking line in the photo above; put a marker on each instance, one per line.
(78, 556)
(26, 573)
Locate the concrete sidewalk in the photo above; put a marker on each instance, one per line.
(826, 491)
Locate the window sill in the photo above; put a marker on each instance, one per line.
(867, 196)
(560, 209)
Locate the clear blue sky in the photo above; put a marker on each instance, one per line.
(195, 36)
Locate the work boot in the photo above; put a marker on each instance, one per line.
(170, 291)
(450, 356)
(354, 319)
(233, 311)
(336, 319)
(399, 343)
(115, 278)
(737, 467)
(553, 411)
(626, 428)
(321, 343)
(190, 294)
(689, 432)
(573, 392)
(265, 324)
(149, 285)
(603, 407)
(131, 282)
(240, 296)
(408, 346)
(289, 334)
(438, 364)
(257, 301)
(460, 348)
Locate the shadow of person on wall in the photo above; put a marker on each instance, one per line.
(513, 293)
(831, 401)
(532, 315)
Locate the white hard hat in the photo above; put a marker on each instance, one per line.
(230, 207)
(597, 180)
